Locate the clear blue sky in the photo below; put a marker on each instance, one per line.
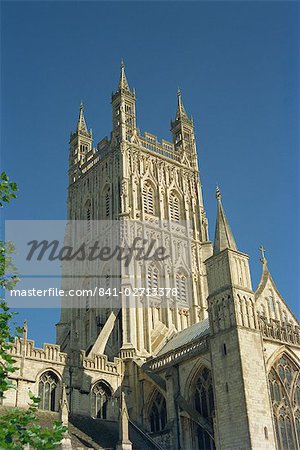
(237, 64)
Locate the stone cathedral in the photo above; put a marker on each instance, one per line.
(212, 365)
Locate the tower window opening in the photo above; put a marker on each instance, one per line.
(178, 137)
(152, 277)
(148, 198)
(107, 203)
(181, 286)
(174, 208)
(88, 215)
(266, 432)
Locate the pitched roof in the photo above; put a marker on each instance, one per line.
(186, 336)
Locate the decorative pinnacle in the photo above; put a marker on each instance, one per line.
(25, 330)
(262, 252)
(223, 234)
(178, 92)
(123, 84)
(81, 105)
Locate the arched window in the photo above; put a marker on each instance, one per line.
(88, 215)
(204, 404)
(87, 292)
(271, 303)
(87, 331)
(174, 207)
(107, 203)
(152, 277)
(158, 413)
(181, 286)
(48, 386)
(101, 394)
(284, 383)
(148, 198)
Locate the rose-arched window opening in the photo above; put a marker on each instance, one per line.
(88, 215)
(148, 198)
(204, 404)
(158, 413)
(48, 391)
(174, 208)
(101, 395)
(284, 384)
(181, 286)
(152, 277)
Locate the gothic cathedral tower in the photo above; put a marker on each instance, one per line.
(134, 178)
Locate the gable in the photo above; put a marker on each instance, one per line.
(268, 301)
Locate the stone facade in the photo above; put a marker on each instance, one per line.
(215, 366)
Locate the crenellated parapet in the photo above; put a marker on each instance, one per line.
(283, 332)
(100, 363)
(49, 352)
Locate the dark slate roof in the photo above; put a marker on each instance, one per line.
(106, 433)
(186, 336)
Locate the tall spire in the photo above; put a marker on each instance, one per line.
(223, 234)
(81, 124)
(123, 84)
(180, 113)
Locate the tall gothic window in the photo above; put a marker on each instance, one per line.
(87, 215)
(107, 206)
(284, 382)
(204, 404)
(48, 386)
(174, 207)
(158, 413)
(101, 394)
(181, 286)
(148, 198)
(152, 277)
(86, 289)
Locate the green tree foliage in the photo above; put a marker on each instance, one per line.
(18, 427)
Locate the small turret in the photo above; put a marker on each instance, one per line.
(80, 145)
(180, 113)
(81, 124)
(183, 131)
(123, 109)
(123, 83)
